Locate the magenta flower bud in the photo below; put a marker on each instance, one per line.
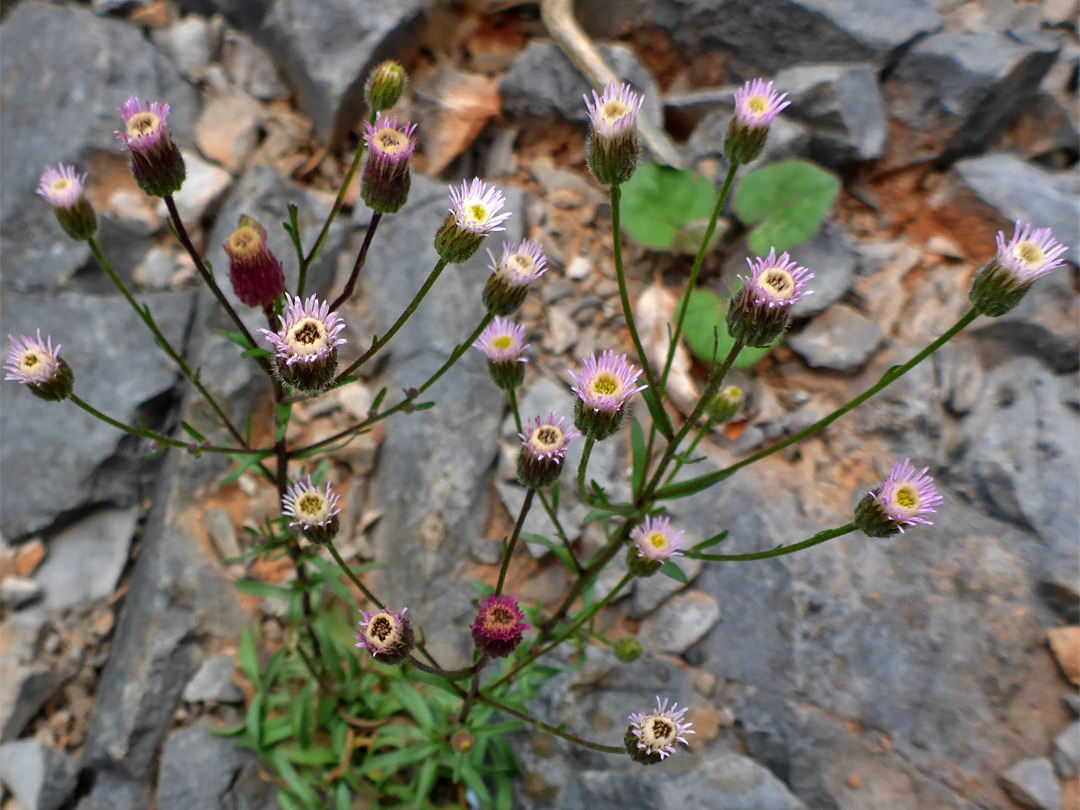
(473, 215)
(612, 146)
(384, 86)
(655, 542)
(543, 450)
(34, 362)
(306, 344)
(603, 386)
(462, 741)
(255, 273)
(503, 343)
(156, 162)
(901, 500)
(385, 178)
(388, 636)
(756, 106)
(499, 626)
(62, 188)
(1004, 281)
(758, 312)
(314, 510)
(511, 276)
(651, 736)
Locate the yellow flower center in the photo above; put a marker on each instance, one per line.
(657, 732)
(757, 105)
(907, 498)
(476, 214)
(313, 507)
(777, 282)
(1029, 253)
(606, 384)
(657, 541)
(613, 110)
(547, 437)
(521, 264)
(499, 618)
(143, 123)
(60, 184)
(502, 342)
(381, 629)
(390, 141)
(30, 361)
(307, 336)
(245, 242)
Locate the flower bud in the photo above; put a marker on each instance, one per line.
(725, 404)
(62, 188)
(156, 162)
(385, 178)
(612, 146)
(255, 273)
(462, 741)
(473, 215)
(306, 344)
(388, 636)
(503, 343)
(35, 363)
(758, 312)
(511, 276)
(756, 106)
(543, 450)
(499, 626)
(384, 86)
(1029, 255)
(314, 511)
(628, 650)
(901, 500)
(603, 387)
(651, 736)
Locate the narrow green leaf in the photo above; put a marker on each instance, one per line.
(192, 432)
(414, 703)
(558, 549)
(637, 443)
(425, 782)
(282, 412)
(712, 541)
(659, 415)
(392, 761)
(249, 657)
(236, 338)
(670, 569)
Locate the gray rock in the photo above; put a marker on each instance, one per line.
(965, 87)
(773, 34)
(17, 592)
(118, 370)
(222, 532)
(60, 104)
(40, 778)
(1072, 700)
(536, 522)
(245, 14)
(325, 50)
(25, 690)
(431, 473)
(1031, 783)
(1066, 752)
(203, 189)
(542, 83)
(198, 769)
(187, 43)
(787, 139)
(213, 682)
(840, 340)
(651, 592)
(85, 560)
(112, 792)
(842, 106)
(831, 256)
(250, 68)
(679, 623)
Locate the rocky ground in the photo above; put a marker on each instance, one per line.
(934, 670)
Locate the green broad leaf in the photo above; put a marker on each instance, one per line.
(637, 442)
(659, 415)
(712, 541)
(671, 570)
(705, 329)
(785, 203)
(659, 202)
(414, 703)
(558, 549)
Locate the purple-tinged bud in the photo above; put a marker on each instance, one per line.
(306, 344)
(758, 312)
(156, 162)
(255, 273)
(35, 363)
(474, 214)
(725, 404)
(756, 106)
(511, 276)
(901, 500)
(63, 188)
(603, 386)
(385, 178)
(503, 343)
(499, 626)
(462, 741)
(388, 636)
(384, 86)
(543, 450)
(612, 146)
(655, 542)
(314, 510)
(651, 736)
(628, 650)
(1004, 281)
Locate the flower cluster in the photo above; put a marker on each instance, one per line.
(474, 215)
(654, 543)
(756, 106)
(758, 313)
(385, 178)
(156, 162)
(603, 386)
(499, 626)
(652, 735)
(306, 344)
(1029, 255)
(37, 364)
(612, 147)
(511, 276)
(503, 344)
(314, 511)
(902, 500)
(543, 450)
(255, 273)
(388, 636)
(62, 188)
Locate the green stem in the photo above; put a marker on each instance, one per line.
(686, 455)
(582, 467)
(513, 540)
(779, 551)
(449, 674)
(352, 575)
(474, 689)
(604, 749)
(350, 285)
(693, 485)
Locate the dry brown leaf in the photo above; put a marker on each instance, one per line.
(654, 311)
(453, 107)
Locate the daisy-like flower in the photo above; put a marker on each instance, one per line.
(511, 276)
(655, 542)
(903, 499)
(388, 636)
(758, 312)
(499, 626)
(255, 273)
(474, 214)
(385, 178)
(503, 343)
(1029, 255)
(62, 188)
(612, 147)
(314, 510)
(543, 450)
(603, 386)
(307, 343)
(37, 364)
(651, 736)
(156, 162)
(384, 85)
(756, 106)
